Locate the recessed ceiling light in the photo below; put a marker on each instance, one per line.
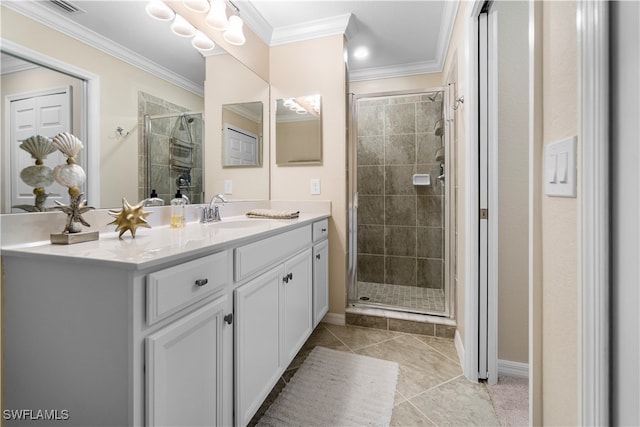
(361, 52)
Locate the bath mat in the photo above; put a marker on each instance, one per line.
(336, 388)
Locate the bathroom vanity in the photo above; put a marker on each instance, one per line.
(189, 326)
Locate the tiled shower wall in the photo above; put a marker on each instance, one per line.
(163, 178)
(400, 226)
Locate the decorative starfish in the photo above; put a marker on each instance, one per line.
(129, 218)
(74, 211)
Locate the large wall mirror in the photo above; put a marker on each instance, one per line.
(299, 130)
(242, 134)
(113, 129)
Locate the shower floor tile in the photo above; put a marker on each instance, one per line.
(408, 297)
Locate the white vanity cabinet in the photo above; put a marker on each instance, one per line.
(320, 270)
(273, 315)
(148, 333)
(80, 336)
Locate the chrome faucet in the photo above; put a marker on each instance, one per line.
(211, 213)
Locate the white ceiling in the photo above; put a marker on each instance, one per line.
(404, 37)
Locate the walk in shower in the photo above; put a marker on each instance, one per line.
(398, 209)
(173, 143)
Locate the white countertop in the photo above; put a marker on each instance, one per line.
(162, 244)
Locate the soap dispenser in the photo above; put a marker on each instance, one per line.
(178, 204)
(154, 200)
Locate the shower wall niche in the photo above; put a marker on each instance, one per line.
(400, 225)
(170, 150)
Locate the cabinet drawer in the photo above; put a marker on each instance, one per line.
(172, 289)
(320, 230)
(264, 253)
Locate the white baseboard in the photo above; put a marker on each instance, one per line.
(334, 319)
(513, 369)
(459, 347)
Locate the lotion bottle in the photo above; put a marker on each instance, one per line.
(178, 204)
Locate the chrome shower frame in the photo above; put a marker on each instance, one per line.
(449, 247)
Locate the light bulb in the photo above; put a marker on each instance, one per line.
(201, 42)
(182, 28)
(198, 6)
(160, 11)
(217, 17)
(234, 34)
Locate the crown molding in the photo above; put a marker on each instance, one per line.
(242, 111)
(311, 30)
(44, 15)
(14, 65)
(401, 70)
(254, 20)
(446, 31)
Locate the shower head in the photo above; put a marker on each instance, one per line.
(433, 96)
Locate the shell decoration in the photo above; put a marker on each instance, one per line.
(37, 176)
(38, 146)
(68, 144)
(129, 218)
(69, 175)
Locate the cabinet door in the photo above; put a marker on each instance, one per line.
(257, 362)
(296, 305)
(184, 369)
(320, 281)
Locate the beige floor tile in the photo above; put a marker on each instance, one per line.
(443, 345)
(356, 337)
(457, 403)
(421, 367)
(406, 415)
(319, 337)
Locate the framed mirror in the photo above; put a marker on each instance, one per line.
(242, 134)
(299, 130)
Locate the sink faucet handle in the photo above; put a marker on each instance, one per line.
(220, 197)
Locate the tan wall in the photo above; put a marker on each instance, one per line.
(560, 353)
(292, 145)
(323, 72)
(513, 180)
(118, 99)
(230, 82)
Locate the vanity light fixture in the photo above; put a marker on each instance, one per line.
(201, 42)
(233, 35)
(198, 6)
(217, 17)
(181, 27)
(160, 11)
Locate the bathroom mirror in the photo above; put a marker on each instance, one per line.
(116, 123)
(242, 134)
(299, 130)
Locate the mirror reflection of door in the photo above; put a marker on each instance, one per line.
(241, 146)
(45, 113)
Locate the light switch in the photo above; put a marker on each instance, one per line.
(560, 168)
(315, 186)
(563, 159)
(552, 168)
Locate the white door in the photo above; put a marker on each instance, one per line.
(257, 352)
(624, 219)
(320, 281)
(241, 146)
(184, 369)
(296, 305)
(45, 115)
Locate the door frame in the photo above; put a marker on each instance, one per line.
(89, 116)
(593, 38)
(472, 344)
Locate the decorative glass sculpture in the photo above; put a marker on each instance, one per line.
(39, 175)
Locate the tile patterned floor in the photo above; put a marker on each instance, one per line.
(431, 389)
(410, 297)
